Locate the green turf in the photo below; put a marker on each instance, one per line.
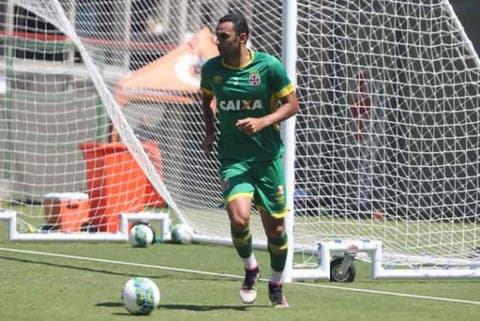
(38, 287)
(44, 287)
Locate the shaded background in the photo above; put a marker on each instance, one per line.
(467, 11)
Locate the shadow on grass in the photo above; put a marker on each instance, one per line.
(192, 307)
(103, 271)
(189, 307)
(109, 304)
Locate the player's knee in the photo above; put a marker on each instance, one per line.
(275, 230)
(239, 215)
(239, 225)
(239, 220)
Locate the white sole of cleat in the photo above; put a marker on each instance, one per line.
(281, 306)
(248, 296)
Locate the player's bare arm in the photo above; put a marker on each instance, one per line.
(209, 120)
(252, 125)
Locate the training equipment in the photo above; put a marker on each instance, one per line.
(140, 296)
(141, 235)
(96, 100)
(181, 234)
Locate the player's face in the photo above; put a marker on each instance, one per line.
(228, 41)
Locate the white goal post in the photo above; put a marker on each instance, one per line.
(101, 125)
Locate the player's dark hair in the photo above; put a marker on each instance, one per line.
(239, 21)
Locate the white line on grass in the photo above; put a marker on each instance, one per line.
(168, 268)
(405, 295)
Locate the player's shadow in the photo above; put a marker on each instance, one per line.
(202, 308)
(188, 307)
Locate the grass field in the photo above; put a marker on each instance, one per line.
(82, 281)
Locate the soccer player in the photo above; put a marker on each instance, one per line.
(253, 95)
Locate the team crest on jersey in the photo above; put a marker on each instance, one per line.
(254, 79)
(217, 79)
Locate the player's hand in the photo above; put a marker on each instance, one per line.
(207, 144)
(250, 125)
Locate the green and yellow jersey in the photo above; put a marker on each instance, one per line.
(251, 90)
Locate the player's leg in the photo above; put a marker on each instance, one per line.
(239, 214)
(277, 248)
(238, 192)
(270, 199)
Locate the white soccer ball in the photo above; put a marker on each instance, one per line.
(140, 235)
(181, 234)
(140, 296)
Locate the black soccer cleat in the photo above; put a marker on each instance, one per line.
(248, 291)
(275, 294)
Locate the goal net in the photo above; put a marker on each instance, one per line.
(101, 115)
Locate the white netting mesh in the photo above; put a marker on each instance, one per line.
(388, 121)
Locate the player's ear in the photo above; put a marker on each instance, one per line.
(243, 37)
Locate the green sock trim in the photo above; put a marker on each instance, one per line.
(242, 241)
(278, 248)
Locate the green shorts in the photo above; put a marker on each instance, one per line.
(262, 181)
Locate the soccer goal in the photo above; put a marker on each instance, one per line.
(101, 117)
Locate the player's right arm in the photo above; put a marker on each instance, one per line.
(208, 114)
(209, 120)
